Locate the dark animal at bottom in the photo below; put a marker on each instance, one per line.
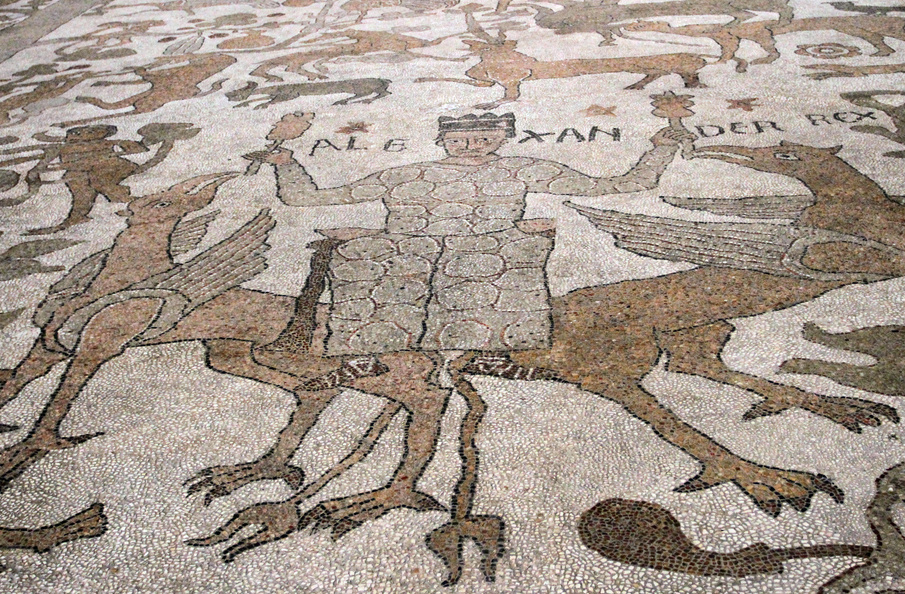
(647, 535)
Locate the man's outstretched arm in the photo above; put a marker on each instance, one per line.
(295, 186)
(644, 175)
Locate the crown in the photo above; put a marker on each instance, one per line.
(487, 121)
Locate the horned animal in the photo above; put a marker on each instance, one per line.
(172, 78)
(365, 42)
(502, 64)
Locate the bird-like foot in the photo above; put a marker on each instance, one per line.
(344, 514)
(274, 521)
(220, 481)
(768, 487)
(18, 458)
(86, 524)
(488, 532)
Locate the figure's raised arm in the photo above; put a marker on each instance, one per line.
(644, 175)
(295, 186)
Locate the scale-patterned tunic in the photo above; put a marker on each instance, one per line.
(452, 270)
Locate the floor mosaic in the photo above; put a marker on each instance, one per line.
(503, 296)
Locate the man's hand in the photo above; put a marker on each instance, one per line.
(673, 137)
(277, 156)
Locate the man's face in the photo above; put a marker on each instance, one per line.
(478, 143)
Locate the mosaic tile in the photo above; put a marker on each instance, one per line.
(438, 296)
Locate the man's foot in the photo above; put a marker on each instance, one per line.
(220, 481)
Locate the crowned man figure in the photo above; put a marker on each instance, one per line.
(456, 266)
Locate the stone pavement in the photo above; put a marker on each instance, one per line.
(503, 296)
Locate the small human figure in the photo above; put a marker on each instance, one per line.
(92, 164)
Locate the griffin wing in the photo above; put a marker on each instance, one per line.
(188, 234)
(747, 246)
(236, 259)
(754, 207)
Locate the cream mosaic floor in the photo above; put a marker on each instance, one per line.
(434, 296)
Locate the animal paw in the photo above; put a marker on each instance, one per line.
(852, 413)
(274, 521)
(345, 514)
(488, 532)
(768, 487)
(220, 481)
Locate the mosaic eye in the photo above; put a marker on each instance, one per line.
(163, 204)
(786, 156)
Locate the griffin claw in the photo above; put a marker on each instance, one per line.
(767, 487)
(220, 481)
(275, 521)
(488, 532)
